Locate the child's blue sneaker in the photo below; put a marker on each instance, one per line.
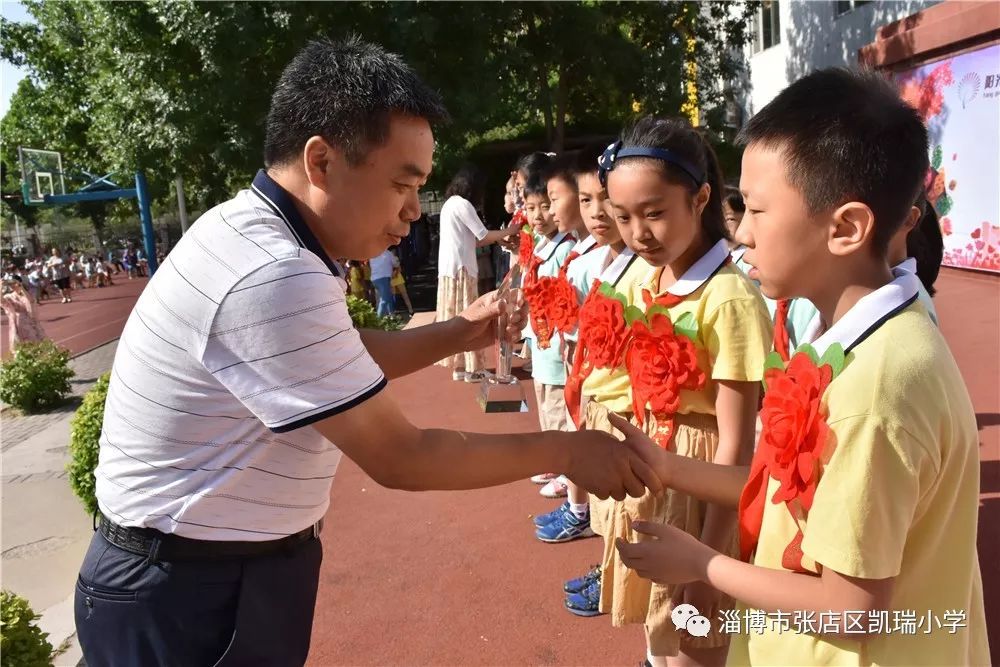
(578, 584)
(587, 602)
(549, 517)
(566, 527)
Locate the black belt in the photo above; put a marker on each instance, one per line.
(167, 547)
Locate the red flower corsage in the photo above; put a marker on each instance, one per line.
(791, 445)
(603, 334)
(661, 359)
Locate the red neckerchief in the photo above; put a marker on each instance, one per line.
(781, 337)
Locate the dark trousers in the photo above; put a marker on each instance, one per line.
(131, 611)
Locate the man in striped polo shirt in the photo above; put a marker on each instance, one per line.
(239, 375)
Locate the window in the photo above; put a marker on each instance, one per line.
(768, 26)
(844, 6)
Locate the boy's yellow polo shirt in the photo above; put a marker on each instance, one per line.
(898, 497)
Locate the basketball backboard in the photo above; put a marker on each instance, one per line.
(41, 174)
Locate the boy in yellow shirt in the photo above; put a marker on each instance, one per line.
(858, 514)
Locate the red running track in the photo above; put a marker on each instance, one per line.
(96, 316)
(458, 578)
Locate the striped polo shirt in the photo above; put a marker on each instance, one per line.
(240, 341)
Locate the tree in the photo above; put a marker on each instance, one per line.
(182, 88)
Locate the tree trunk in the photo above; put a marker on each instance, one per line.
(544, 93)
(562, 93)
(545, 99)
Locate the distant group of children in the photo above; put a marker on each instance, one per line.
(378, 281)
(777, 341)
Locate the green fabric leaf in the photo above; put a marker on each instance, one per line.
(936, 157)
(773, 360)
(687, 325)
(609, 291)
(834, 358)
(633, 313)
(810, 350)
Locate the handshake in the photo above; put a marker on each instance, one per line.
(608, 467)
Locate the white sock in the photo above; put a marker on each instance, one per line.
(580, 510)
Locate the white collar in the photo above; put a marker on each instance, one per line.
(738, 252)
(617, 268)
(583, 246)
(700, 271)
(869, 313)
(549, 248)
(908, 265)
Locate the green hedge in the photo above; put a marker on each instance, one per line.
(36, 377)
(22, 643)
(84, 443)
(364, 316)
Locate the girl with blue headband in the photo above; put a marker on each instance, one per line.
(698, 335)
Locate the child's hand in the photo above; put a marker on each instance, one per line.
(667, 556)
(700, 595)
(657, 457)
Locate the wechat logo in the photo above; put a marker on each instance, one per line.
(686, 617)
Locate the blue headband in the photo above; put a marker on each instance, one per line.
(606, 162)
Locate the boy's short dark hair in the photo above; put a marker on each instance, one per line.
(586, 159)
(536, 185)
(533, 165)
(344, 92)
(562, 167)
(847, 136)
(734, 199)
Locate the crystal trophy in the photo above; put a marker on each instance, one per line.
(502, 392)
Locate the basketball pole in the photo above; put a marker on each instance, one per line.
(146, 216)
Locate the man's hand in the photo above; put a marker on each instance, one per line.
(478, 322)
(666, 555)
(600, 464)
(642, 445)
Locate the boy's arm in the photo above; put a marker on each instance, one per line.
(677, 557)
(711, 482)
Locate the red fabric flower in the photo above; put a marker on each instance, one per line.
(601, 341)
(660, 364)
(538, 294)
(602, 329)
(794, 427)
(525, 249)
(791, 443)
(564, 308)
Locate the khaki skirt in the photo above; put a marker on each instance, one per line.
(626, 596)
(453, 296)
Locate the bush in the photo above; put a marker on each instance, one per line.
(36, 377)
(364, 316)
(22, 643)
(84, 443)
